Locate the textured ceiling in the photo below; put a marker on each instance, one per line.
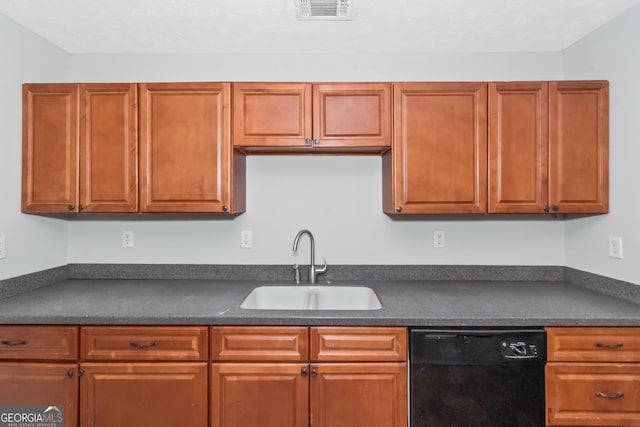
(270, 26)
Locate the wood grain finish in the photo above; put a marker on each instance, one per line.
(272, 114)
(518, 147)
(49, 148)
(143, 394)
(593, 394)
(579, 146)
(357, 394)
(368, 344)
(352, 115)
(259, 394)
(144, 343)
(109, 148)
(38, 342)
(439, 149)
(259, 343)
(592, 344)
(41, 384)
(185, 151)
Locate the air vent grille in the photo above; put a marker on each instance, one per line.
(341, 10)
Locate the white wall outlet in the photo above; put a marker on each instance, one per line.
(246, 239)
(3, 248)
(438, 239)
(615, 247)
(127, 238)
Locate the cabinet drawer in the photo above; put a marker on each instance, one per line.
(144, 343)
(593, 344)
(39, 342)
(264, 343)
(593, 394)
(358, 344)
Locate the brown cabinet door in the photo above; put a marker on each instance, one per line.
(143, 394)
(185, 153)
(108, 148)
(358, 394)
(439, 149)
(518, 147)
(579, 147)
(272, 115)
(593, 394)
(41, 384)
(351, 115)
(260, 395)
(49, 148)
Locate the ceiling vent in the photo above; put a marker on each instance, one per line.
(324, 10)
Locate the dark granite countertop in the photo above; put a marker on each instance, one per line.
(405, 303)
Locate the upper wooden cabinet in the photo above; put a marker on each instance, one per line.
(439, 159)
(548, 147)
(579, 147)
(79, 148)
(337, 117)
(186, 161)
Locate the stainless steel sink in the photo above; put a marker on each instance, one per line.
(282, 297)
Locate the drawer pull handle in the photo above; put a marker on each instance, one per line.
(147, 345)
(14, 343)
(612, 346)
(610, 396)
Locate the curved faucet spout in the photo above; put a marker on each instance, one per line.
(313, 270)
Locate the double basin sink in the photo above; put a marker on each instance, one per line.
(311, 297)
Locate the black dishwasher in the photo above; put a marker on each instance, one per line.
(477, 377)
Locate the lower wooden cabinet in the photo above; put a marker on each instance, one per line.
(143, 394)
(593, 394)
(593, 376)
(343, 377)
(41, 384)
(259, 394)
(358, 394)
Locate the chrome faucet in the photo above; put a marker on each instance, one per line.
(313, 270)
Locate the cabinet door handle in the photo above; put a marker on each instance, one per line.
(399, 209)
(307, 141)
(71, 208)
(14, 343)
(316, 141)
(609, 346)
(546, 208)
(225, 208)
(147, 345)
(80, 207)
(618, 395)
(314, 373)
(303, 372)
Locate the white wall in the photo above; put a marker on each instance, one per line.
(337, 198)
(33, 243)
(611, 53)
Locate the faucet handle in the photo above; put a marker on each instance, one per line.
(323, 269)
(296, 267)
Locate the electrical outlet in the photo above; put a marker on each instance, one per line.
(127, 238)
(615, 247)
(246, 239)
(438, 239)
(3, 248)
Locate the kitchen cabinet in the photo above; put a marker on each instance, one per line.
(79, 148)
(38, 368)
(548, 147)
(324, 117)
(438, 164)
(343, 377)
(143, 376)
(593, 376)
(186, 160)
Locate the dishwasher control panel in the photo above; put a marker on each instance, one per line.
(519, 350)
